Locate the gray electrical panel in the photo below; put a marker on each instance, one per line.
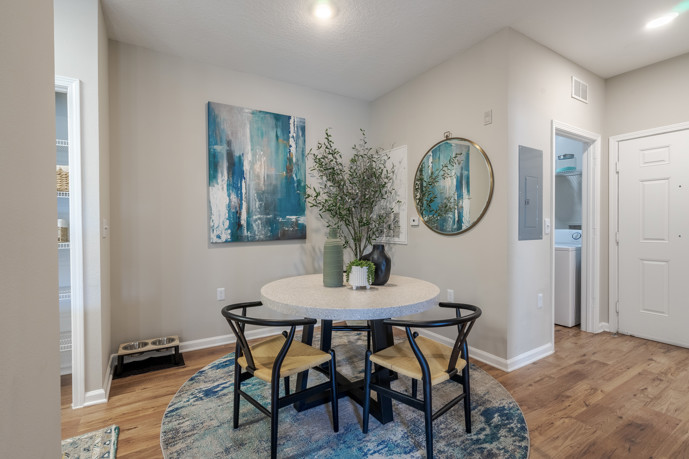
(530, 193)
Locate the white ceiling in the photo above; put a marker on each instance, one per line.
(372, 46)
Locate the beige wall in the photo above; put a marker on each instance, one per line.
(452, 97)
(104, 185)
(29, 323)
(539, 92)
(527, 86)
(77, 55)
(164, 273)
(650, 97)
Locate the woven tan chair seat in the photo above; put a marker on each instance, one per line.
(279, 352)
(401, 358)
(300, 357)
(425, 361)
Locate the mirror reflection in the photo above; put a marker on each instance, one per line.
(453, 185)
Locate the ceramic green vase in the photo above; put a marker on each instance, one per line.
(332, 260)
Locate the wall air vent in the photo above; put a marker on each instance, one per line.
(580, 90)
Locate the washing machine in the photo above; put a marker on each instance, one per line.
(567, 277)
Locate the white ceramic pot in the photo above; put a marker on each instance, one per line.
(358, 277)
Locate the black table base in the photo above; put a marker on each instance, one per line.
(381, 337)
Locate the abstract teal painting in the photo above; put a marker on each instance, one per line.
(256, 175)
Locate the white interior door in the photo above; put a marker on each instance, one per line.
(653, 231)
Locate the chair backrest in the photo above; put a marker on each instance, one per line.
(463, 322)
(238, 323)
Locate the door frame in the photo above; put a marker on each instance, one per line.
(590, 225)
(71, 87)
(613, 206)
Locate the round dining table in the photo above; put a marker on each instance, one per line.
(306, 296)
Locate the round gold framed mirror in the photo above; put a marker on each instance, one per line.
(453, 186)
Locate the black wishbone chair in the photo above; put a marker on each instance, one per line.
(428, 361)
(272, 359)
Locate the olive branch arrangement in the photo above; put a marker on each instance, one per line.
(357, 197)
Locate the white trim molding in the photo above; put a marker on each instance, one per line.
(493, 360)
(101, 395)
(228, 339)
(95, 397)
(71, 87)
(590, 254)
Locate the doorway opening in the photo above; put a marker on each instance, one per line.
(569, 157)
(575, 204)
(70, 239)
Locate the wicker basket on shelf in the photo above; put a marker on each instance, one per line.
(62, 231)
(62, 178)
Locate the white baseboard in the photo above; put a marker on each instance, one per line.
(108, 377)
(530, 357)
(205, 343)
(101, 395)
(95, 397)
(221, 340)
(493, 360)
(603, 326)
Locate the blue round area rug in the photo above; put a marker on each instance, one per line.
(198, 420)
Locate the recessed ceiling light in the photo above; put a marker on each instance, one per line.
(662, 20)
(323, 10)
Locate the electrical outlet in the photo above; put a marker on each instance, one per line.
(220, 294)
(450, 295)
(539, 304)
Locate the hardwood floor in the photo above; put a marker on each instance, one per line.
(136, 404)
(597, 396)
(604, 396)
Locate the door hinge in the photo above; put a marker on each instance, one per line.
(617, 237)
(617, 167)
(617, 306)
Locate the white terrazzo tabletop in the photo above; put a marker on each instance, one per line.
(305, 296)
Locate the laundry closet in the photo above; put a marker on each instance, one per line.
(568, 229)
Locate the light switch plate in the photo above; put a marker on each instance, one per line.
(487, 117)
(414, 221)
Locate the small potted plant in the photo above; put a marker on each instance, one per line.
(360, 273)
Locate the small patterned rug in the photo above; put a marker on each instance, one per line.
(198, 420)
(93, 445)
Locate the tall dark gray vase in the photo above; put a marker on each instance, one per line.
(382, 262)
(332, 260)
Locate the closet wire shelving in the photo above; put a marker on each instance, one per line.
(64, 293)
(569, 173)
